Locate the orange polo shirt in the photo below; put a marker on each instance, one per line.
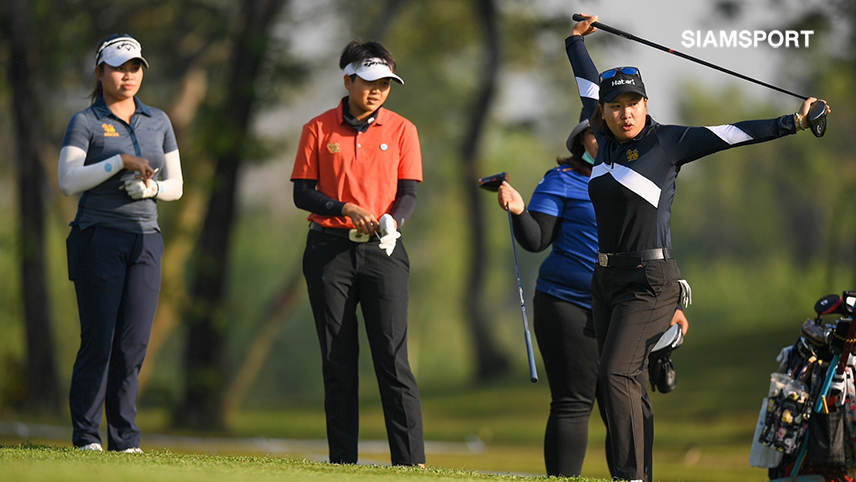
(359, 168)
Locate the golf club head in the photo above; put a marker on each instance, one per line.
(848, 302)
(492, 183)
(829, 304)
(817, 118)
(672, 338)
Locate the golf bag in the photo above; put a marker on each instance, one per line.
(807, 424)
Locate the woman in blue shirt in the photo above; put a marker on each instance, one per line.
(560, 214)
(113, 153)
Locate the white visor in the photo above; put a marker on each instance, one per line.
(117, 51)
(371, 70)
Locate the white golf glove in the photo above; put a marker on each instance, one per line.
(137, 189)
(389, 234)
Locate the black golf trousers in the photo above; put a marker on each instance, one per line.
(566, 339)
(339, 275)
(632, 307)
(117, 278)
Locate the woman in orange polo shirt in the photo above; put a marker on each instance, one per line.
(356, 172)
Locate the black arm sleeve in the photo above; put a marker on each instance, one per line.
(405, 201)
(535, 231)
(308, 198)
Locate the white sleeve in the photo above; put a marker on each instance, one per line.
(172, 183)
(74, 177)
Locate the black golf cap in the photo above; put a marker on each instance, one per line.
(620, 80)
(577, 130)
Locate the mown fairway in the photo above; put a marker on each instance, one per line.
(27, 463)
(703, 432)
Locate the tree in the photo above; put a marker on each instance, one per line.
(42, 387)
(205, 362)
(490, 361)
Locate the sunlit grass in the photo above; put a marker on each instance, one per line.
(28, 463)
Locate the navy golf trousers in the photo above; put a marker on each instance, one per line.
(632, 307)
(117, 277)
(339, 275)
(566, 339)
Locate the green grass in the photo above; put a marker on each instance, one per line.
(703, 430)
(30, 463)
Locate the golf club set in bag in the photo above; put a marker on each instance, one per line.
(661, 370)
(806, 430)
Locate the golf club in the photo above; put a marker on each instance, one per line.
(492, 183)
(816, 115)
(830, 304)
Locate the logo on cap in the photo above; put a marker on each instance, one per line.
(623, 82)
(374, 61)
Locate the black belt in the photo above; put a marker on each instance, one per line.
(627, 260)
(349, 234)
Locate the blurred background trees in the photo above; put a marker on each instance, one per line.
(761, 232)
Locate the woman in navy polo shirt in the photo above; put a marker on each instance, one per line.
(122, 156)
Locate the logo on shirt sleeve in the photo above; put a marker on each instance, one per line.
(109, 130)
(333, 147)
(632, 155)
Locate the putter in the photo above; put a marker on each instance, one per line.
(817, 112)
(492, 183)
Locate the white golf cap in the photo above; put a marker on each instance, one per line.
(117, 51)
(372, 69)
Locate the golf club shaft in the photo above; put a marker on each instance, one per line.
(533, 373)
(824, 390)
(579, 18)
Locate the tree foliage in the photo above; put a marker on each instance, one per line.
(489, 88)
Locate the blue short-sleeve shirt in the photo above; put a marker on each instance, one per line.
(102, 135)
(567, 271)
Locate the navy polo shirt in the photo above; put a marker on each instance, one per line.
(102, 135)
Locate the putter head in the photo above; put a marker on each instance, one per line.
(492, 183)
(817, 118)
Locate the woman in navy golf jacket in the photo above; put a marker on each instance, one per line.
(635, 285)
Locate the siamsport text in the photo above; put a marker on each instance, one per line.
(746, 38)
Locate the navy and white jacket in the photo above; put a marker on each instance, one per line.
(633, 183)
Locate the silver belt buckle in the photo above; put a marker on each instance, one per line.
(602, 259)
(357, 236)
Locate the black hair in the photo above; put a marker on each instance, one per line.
(575, 163)
(596, 121)
(358, 50)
